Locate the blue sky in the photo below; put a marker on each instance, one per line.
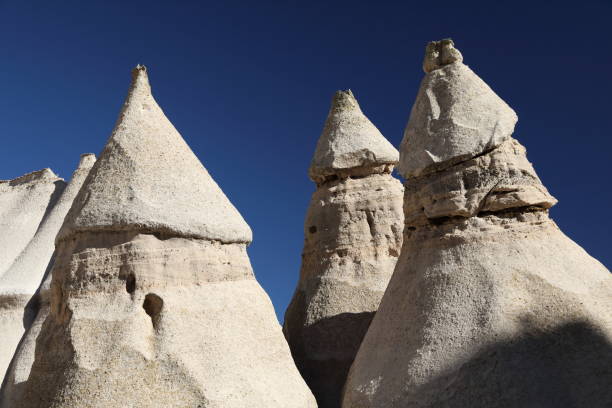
(248, 85)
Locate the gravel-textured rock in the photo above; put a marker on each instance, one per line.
(153, 301)
(490, 304)
(353, 233)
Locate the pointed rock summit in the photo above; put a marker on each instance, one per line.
(153, 301)
(353, 235)
(349, 142)
(490, 304)
(456, 115)
(26, 205)
(24, 277)
(147, 168)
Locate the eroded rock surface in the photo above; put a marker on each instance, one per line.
(456, 115)
(26, 206)
(353, 233)
(153, 303)
(25, 275)
(349, 141)
(136, 189)
(490, 303)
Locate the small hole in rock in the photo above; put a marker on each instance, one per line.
(153, 306)
(130, 284)
(312, 229)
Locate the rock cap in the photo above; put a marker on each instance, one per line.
(87, 161)
(439, 54)
(456, 115)
(349, 140)
(148, 179)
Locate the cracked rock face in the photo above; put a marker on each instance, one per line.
(162, 308)
(24, 277)
(490, 303)
(27, 217)
(456, 116)
(353, 233)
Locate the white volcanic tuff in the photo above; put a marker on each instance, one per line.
(490, 303)
(353, 233)
(137, 178)
(25, 273)
(349, 140)
(24, 202)
(172, 322)
(25, 208)
(456, 116)
(153, 302)
(24, 277)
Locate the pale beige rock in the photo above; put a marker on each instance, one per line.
(349, 140)
(24, 277)
(23, 204)
(135, 190)
(157, 313)
(490, 304)
(26, 207)
(456, 116)
(353, 233)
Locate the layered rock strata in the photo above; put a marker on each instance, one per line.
(153, 301)
(353, 234)
(490, 303)
(34, 264)
(26, 208)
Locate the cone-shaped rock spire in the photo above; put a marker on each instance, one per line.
(490, 303)
(153, 301)
(456, 115)
(353, 234)
(25, 205)
(24, 277)
(148, 179)
(349, 141)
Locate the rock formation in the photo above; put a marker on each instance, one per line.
(490, 303)
(26, 205)
(153, 299)
(34, 262)
(353, 234)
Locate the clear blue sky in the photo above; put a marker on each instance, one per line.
(248, 85)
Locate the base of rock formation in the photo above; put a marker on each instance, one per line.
(353, 233)
(149, 321)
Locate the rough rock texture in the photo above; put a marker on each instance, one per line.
(490, 303)
(456, 115)
(152, 312)
(349, 141)
(135, 190)
(440, 53)
(353, 234)
(26, 208)
(25, 276)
